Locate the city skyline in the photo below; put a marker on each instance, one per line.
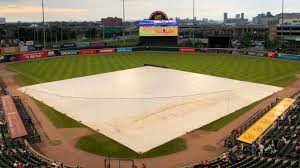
(79, 10)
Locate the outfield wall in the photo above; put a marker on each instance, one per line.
(70, 49)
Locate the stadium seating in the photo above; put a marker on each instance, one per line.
(17, 151)
(279, 152)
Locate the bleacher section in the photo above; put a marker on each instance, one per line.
(278, 147)
(16, 150)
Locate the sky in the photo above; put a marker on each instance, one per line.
(94, 10)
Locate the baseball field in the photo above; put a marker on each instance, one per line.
(244, 68)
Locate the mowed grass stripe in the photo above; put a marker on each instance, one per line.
(244, 68)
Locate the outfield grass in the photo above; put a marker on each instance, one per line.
(252, 69)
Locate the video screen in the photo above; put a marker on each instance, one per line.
(158, 28)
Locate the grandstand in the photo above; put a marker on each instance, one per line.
(17, 132)
(278, 147)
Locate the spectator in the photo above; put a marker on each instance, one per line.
(253, 149)
(275, 142)
(297, 148)
(273, 152)
(19, 165)
(290, 120)
(15, 164)
(284, 140)
(261, 150)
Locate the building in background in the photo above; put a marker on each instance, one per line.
(238, 20)
(265, 19)
(289, 31)
(112, 22)
(2, 21)
(289, 18)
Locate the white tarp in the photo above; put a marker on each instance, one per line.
(143, 108)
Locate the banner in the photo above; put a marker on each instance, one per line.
(187, 49)
(51, 53)
(32, 55)
(260, 54)
(124, 49)
(263, 124)
(271, 54)
(85, 52)
(108, 50)
(288, 57)
(70, 52)
(9, 50)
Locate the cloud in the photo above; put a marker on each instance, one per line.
(11, 9)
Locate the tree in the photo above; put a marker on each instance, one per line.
(246, 40)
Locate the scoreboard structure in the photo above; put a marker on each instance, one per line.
(158, 30)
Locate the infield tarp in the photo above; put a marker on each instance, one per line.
(143, 108)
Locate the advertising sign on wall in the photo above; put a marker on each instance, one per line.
(51, 53)
(260, 54)
(32, 55)
(187, 50)
(124, 49)
(9, 50)
(70, 52)
(85, 52)
(271, 54)
(107, 50)
(288, 56)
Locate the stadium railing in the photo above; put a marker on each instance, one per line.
(230, 140)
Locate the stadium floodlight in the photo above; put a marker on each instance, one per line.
(282, 22)
(44, 29)
(124, 23)
(194, 23)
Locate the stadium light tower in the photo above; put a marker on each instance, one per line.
(44, 29)
(282, 22)
(194, 23)
(124, 23)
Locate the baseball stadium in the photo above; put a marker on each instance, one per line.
(149, 105)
